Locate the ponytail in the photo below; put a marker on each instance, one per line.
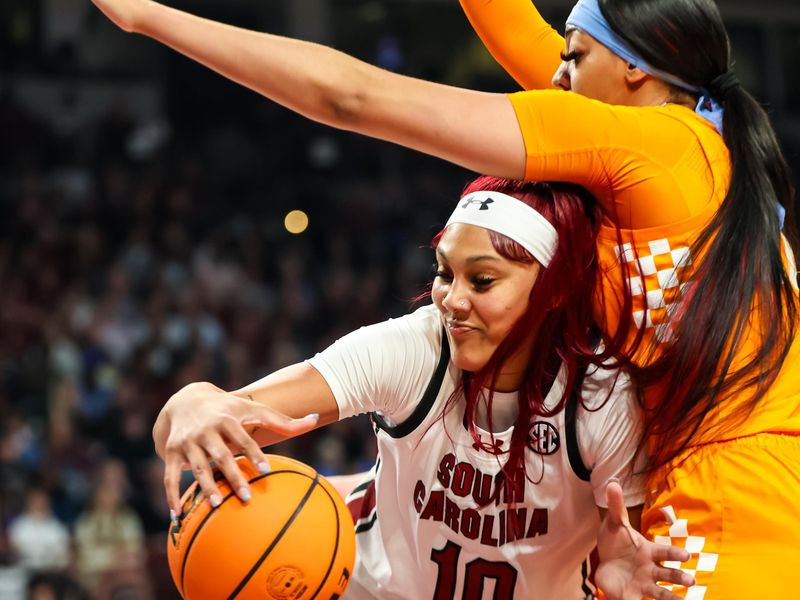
(741, 288)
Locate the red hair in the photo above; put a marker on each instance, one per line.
(559, 316)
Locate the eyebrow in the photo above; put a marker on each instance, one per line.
(471, 259)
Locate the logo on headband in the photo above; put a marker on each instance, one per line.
(484, 203)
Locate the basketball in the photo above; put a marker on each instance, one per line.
(294, 539)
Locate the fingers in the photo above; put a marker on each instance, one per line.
(208, 430)
(172, 481)
(268, 418)
(661, 593)
(673, 553)
(669, 575)
(243, 441)
(199, 458)
(204, 473)
(617, 513)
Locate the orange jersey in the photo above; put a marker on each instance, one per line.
(660, 174)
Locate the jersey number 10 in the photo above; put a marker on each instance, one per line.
(476, 572)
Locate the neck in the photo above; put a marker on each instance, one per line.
(653, 92)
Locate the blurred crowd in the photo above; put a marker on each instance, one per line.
(125, 274)
(141, 250)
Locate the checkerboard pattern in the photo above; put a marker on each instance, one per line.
(656, 282)
(698, 563)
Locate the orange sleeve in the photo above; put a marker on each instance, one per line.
(647, 166)
(519, 39)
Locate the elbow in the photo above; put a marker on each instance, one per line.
(348, 109)
(345, 101)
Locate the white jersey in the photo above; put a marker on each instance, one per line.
(426, 524)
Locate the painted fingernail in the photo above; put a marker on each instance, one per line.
(263, 467)
(215, 500)
(314, 416)
(173, 516)
(244, 493)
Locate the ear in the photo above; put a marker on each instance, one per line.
(634, 75)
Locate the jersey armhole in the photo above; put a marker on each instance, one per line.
(571, 421)
(425, 404)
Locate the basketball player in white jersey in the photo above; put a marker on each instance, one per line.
(498, 433)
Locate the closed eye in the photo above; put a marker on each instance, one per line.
(569, 56)
(481, 281)
(444, 275)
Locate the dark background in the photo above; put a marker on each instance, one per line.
(141, 207)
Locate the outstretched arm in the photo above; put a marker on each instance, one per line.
(202, 422)
(630, 565)
(473, 129)
(524, 44)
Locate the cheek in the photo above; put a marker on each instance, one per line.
(582, 82)
(437, 295)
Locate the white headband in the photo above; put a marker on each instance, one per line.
(509, 217)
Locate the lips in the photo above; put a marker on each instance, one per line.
(459, 329)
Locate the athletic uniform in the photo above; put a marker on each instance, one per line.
(660, 174)
(435, 518)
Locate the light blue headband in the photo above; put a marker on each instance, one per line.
(587, 16)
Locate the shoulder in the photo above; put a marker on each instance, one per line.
(423, 326)
(604, 391)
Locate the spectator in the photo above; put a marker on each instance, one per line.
(109, 541)
(39, 540)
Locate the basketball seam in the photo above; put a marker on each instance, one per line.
(211, 512)
(335, 545)
(278, 537)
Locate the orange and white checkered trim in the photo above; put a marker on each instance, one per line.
(699, 562)
(656, 282)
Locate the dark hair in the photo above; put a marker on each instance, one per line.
(559, 315)
(741, 279)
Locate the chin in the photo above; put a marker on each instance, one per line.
(466, 362)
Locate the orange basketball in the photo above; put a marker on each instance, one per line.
(293, 540)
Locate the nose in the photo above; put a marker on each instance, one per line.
(561, 77)
(457, 301)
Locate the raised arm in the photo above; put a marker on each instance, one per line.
(524, 44)
(473, 129)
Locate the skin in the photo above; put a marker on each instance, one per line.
(476, 130)
(592, 70)
(202, 422)
(481, 295)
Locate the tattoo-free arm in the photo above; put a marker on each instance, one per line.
(476, 130)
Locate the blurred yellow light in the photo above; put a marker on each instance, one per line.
(296, 221)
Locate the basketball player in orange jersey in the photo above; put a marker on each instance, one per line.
(648, 116)
(495, 441)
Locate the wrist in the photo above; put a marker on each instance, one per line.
(142, 16)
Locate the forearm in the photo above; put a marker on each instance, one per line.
(282, 69)
(295, 391)
(476, 130)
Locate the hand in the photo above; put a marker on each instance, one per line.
(630, 564)
(124, 13)
(203, 423)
